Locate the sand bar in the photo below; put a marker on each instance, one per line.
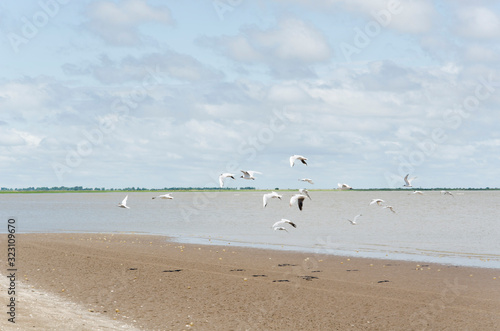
(124, 282)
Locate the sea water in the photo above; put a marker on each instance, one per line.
(462, 229)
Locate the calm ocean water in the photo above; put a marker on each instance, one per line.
(459, 230)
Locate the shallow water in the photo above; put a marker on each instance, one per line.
(460, 230)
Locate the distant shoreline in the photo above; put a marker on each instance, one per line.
(210, 189)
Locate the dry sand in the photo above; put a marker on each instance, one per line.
(126, 282)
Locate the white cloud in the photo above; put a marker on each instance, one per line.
(406, 16)
(293, 40)
(288, 48)
(151, 66)
(117, 23)
(478, 22)
(11, 137)
(202, 111)
(403, 15)
(480, 53)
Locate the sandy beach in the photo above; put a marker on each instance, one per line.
(127, 282)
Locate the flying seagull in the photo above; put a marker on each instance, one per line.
(391, 208)
(309, 180)
(353, 222)
(305, 192)
(377, 201)
(418, 192)
(284, 221)
(297, 198)
(344, 186)
(447, 192)
(123, 204)
(224, 176)
(164, 196)
(249, 174)
(408, 181)
(280, 228)
(268, 196)
(293, 158)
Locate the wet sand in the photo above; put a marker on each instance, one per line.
(123, 282)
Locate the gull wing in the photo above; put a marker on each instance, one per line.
(265, 197)
(251, 172)
(300, 201)
(305, 192)
(299, 198)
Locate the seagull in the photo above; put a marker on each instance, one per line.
(353, 222)
(284, 221)
(268, 196)
(408, 181)
(391, 208)
(249, 174)
(164, 196)
(447, 192)
(309, 180)
(293, 158)
(299, 198)
(344, 186)
(123, 204)
(305, 192)
(223, 176)
(377, 201)
(418, 192)
(280, 228)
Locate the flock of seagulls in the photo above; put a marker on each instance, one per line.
(247, 174)
(296, 199)
(382, 204)
(123, 204)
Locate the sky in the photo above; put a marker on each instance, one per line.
(149, 93)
